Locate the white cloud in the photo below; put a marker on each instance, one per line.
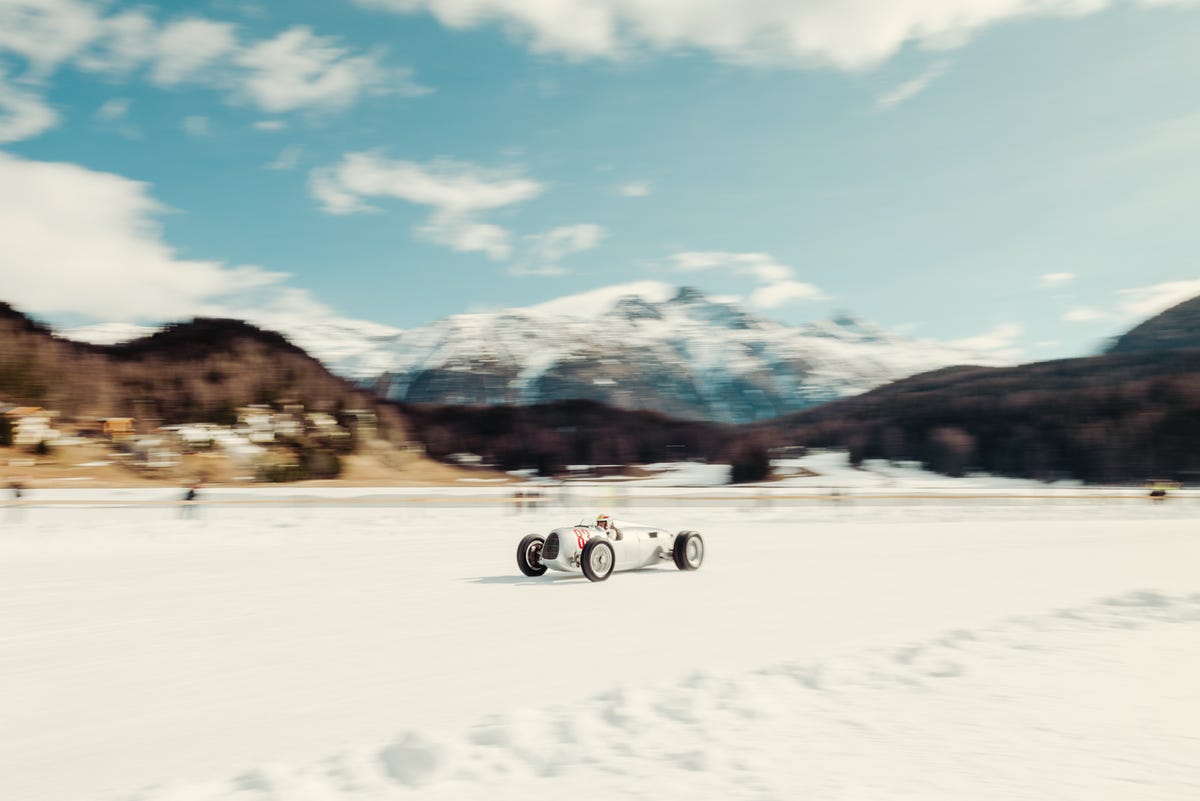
(270, 125)
(910, 88)
(846, 34)
(47, 32)
(772, 296)
(1150, 300)
(190, 46)
(1084, 314)
(543, 252)
(777, 282)
(461, 233)
(1051, 280)
(635, 189)
(76, 241)
(1137, 302)
(196, 125)
(23, 114)
(287, 159)
(113, 115)
(999, 341)
(113, 109)
(121, 44)
(565, 240)
(298, 69)
(457, 192)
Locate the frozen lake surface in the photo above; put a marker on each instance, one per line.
(890, 648)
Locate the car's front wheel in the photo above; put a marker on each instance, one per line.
(689, 550)
(597, 560)
(529, 555)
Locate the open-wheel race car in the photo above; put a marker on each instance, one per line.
(598, 549)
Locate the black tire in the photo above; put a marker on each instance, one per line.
(689, 550)
(597, 560)
(529, 555)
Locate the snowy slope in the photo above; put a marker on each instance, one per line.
(650, 345)
(266, 653)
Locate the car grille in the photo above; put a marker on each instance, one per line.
(550, 549)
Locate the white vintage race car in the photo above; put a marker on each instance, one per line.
(597, 550)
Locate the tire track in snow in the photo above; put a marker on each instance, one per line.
(1092, 702)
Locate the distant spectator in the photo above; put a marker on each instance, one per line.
(188, 510)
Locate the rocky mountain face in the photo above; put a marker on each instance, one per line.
(1177, 327)
(656, 347)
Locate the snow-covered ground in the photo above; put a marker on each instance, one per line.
(388, 648)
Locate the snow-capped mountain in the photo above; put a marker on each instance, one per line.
(654, 346)
(646, 345)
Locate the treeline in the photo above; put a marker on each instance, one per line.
(548, 437)
(1112, 418)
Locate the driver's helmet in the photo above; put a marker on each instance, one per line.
(603, 521)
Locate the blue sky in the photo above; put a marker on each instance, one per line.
(1022, 174)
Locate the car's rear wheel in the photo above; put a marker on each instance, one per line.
(689, 550)
(529, 555)
(597, 560)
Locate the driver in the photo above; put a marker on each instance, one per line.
(608, 526)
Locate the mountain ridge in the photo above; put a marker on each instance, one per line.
(1176, 327)
(196, 371)
(645, 346)
(642, 346)
(651, 346)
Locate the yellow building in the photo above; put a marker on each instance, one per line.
(118, 427)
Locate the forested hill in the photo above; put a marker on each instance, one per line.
(198, 371)
(1117, 417)
(1177, 327)
(550, 436)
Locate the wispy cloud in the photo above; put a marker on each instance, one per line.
(295, 70)
(1136, 303)
(634, 189)
(196, 125)
(189, 47)
(457, 192)
(1084, 314)
(287, 159)
(910, 88)
(299, 69)
(46, 33)
(777, 284)
(543, 253)
(114, 109)
(1149, 300)
(999, 341)
(23, 113)
(844, 35)
(1051, 280)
